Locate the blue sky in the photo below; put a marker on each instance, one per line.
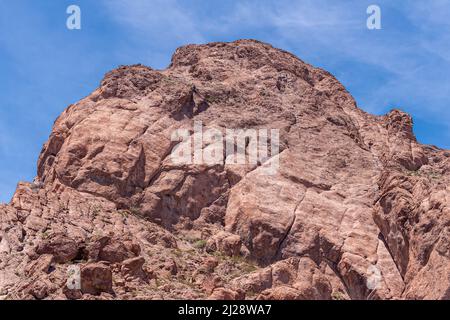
(44, 67)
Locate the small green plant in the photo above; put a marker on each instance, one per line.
(412, 174)
(95, 210)
(238, 259)
(134, 293)
(157, 283)
(200, 244)
(251, 294)
(45, 234)
(219, 255)
(337, 295)
(190, 252)
(98, 233)
(249, 268)
(123, 213)
(245, 265)
(61, 207)
(169, 80)
(177, 253)
(212, 99)
(434, 175)
(188, 282)
(136, 211)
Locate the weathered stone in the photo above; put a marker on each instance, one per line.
(96, 278)
(133, 268)
(62, 248)
(357, 209)
(228, 243)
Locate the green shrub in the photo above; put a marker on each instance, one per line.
(200, 244)
(136, 211)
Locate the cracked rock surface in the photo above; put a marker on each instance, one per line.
(357, 210)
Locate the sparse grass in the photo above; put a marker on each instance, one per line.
(432, 175)
(199, 244)
(412, 173)
(219, 255)
(158, 282)
(124, 213)
(244, 265)
(169, 80)
(136, 211)
(337, 295)
(61, 207)
(98, 233)
(45, 234)
(133, 292)
(177, 253)
(241, 260)
(188, 282)
(95, 211)
(249, 268)
(238, 259)
(212, 99)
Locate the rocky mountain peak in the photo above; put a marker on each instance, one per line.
(356, 208)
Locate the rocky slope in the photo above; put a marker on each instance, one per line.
(357, 210)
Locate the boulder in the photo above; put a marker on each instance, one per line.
(60, 246)
(96, 278)
(225, 242)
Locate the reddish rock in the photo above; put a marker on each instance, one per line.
(170, 266)
(209, 284)
(60, 246)
(209, 265)
(95, 246)
(41, 265)
(133, 268)
(225, 242)
(96, 278)
(40, 289)
(226, 294)
(282, 293)
(291, 279)
(115, 252)
(358, 209)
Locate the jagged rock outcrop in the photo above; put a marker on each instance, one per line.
(358, 209)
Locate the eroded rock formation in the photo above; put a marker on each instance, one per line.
(357, 210)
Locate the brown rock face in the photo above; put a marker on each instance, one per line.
(357, 208)
(96, 278)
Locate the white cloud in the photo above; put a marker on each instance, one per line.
(157, 19)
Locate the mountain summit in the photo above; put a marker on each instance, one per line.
(357, 208)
